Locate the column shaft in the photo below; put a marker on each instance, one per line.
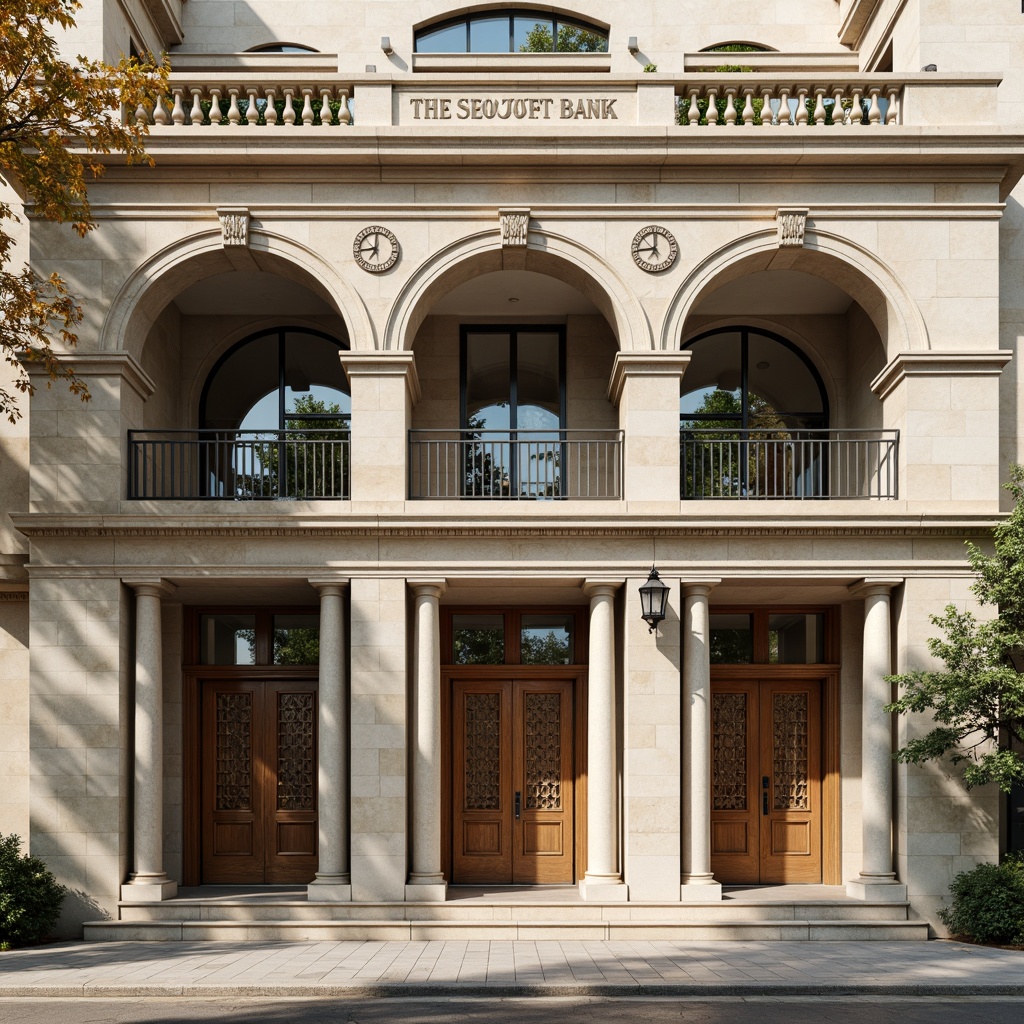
(698, 881)
(332, 881)
(148, 880)
(426, 880)
(603, 879)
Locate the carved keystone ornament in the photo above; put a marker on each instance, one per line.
(234, 225)
(514, 225)
(791, 222)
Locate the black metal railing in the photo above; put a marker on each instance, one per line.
(238, 464)
(511, 465)
(801, 464)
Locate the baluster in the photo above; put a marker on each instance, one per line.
(252, 115)
(856, 111)
(289, 109)
(748, 106)
(196, 113)
(159, 112)
(838, 107)
(215, 112)
(326, 114)
(234, 114)
(801, 106)
(819, 106)
(141, 113)
(270, 114)
(178, 111)
(892, 95)
(766, 108)
(730, 105)
(874, 111)
(307, 106)
(693, 114)
(344, 114)
(784, 112)
(712, 115)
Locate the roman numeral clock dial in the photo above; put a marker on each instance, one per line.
(376, 249)
(654, 249)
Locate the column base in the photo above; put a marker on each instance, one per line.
(603, 889)
(149, 889)
(426, 892)
(877, 888)
(700, 889)
(329, 889)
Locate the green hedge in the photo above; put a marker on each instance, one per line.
(988, 904)
(30, 897)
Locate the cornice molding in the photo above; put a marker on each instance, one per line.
(939, 364)
(166, 16)
(104, 364)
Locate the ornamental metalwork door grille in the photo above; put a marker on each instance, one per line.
(512, 775)
(766, 796)
(258, 781)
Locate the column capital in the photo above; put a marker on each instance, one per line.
(428, 588)
(600, 587)
(383, 364)
(872, 585)
(699, 588)
(153, 586)
(329, 586)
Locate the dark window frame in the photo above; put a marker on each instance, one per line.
(540, 16)
(513, 617)
(759, 618)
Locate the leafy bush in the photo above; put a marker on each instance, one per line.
(30, 897)
(988, 904)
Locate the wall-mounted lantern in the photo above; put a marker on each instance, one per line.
(653, 600)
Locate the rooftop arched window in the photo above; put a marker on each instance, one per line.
(514, 30)
(281, 48)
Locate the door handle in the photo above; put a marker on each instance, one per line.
(519, 801)
(764, 795)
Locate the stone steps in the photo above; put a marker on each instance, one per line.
(297, 920)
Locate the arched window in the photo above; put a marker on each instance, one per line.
(274, 378)
(281, 48)
(514, 30)
(753, 419)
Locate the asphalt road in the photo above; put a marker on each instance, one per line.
(812, 1010)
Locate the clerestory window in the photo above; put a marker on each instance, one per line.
(517, 30)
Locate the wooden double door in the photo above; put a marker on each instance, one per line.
(258, 781)
(766, 781)
(513, 781)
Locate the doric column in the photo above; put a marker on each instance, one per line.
(332, 882)
(698, 882)
(426, 881)
(877, 879)
(148, 880)
(603, 880)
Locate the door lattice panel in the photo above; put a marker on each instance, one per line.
(483, 749)
(234, 752)
(729, 746)
(790, 752)
(296, 754)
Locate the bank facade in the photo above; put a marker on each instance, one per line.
(413, 355)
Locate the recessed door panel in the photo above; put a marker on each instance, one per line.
(766, 813)
(512, 785)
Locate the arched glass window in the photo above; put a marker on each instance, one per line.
(281, 48)
(515, 30)
(753, 418)
(275, 379)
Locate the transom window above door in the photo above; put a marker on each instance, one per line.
(772, 636)
(487, 636)
(515, 30)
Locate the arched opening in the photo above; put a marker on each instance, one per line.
(776, 400)
(514, 366)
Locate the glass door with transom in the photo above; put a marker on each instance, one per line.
(513, 781)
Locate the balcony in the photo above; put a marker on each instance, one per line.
(516, 465)
(238, 465)
(775, 464)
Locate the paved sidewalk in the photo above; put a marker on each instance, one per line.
(441, 968)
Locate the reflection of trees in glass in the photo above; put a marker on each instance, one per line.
(478, 647)
(550, 648)
(297, 645)
(311, 460)
(731, 647)
(571, 39)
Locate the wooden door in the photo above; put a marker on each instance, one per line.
(766, 810)
(513, 793)
(259, 782)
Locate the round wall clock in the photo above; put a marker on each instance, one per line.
(654, 248)
(376, 249)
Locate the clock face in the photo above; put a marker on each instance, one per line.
(376, 249)
(654, 248)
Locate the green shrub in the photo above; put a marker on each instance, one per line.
(30, 897)
(988, 904)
